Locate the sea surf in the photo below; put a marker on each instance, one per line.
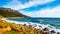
(51, 23)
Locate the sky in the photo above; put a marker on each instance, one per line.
(34, 8)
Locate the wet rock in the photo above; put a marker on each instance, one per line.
(53, 32)
(40, 26)
(46, 29)
(58, 32)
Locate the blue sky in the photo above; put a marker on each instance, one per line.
(34, 8)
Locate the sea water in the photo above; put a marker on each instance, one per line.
(51, 23)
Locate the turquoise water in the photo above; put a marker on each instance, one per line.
(55, 22)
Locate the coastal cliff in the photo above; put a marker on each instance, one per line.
(8, 12)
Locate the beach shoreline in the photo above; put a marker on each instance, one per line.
(42, 26)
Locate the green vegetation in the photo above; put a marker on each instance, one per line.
(7, 12)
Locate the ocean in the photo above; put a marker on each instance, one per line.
(51, 23)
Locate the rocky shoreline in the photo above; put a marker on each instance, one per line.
(12, 28)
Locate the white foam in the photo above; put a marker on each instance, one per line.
(35, 25)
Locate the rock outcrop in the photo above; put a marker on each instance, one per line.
(12, 28)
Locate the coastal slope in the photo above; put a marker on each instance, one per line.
(8, 27)
(12, 28)
(8, 12)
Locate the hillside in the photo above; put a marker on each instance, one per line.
(8, 12)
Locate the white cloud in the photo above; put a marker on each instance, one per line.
(35, 2)
(15, 4)
(54, 12)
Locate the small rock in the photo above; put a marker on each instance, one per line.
(40, 26)
(30, 25)
(46, 32)
(58, 32)
(52, 32)
(46, 29)
(24, 25)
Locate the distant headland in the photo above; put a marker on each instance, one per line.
(8, 12)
